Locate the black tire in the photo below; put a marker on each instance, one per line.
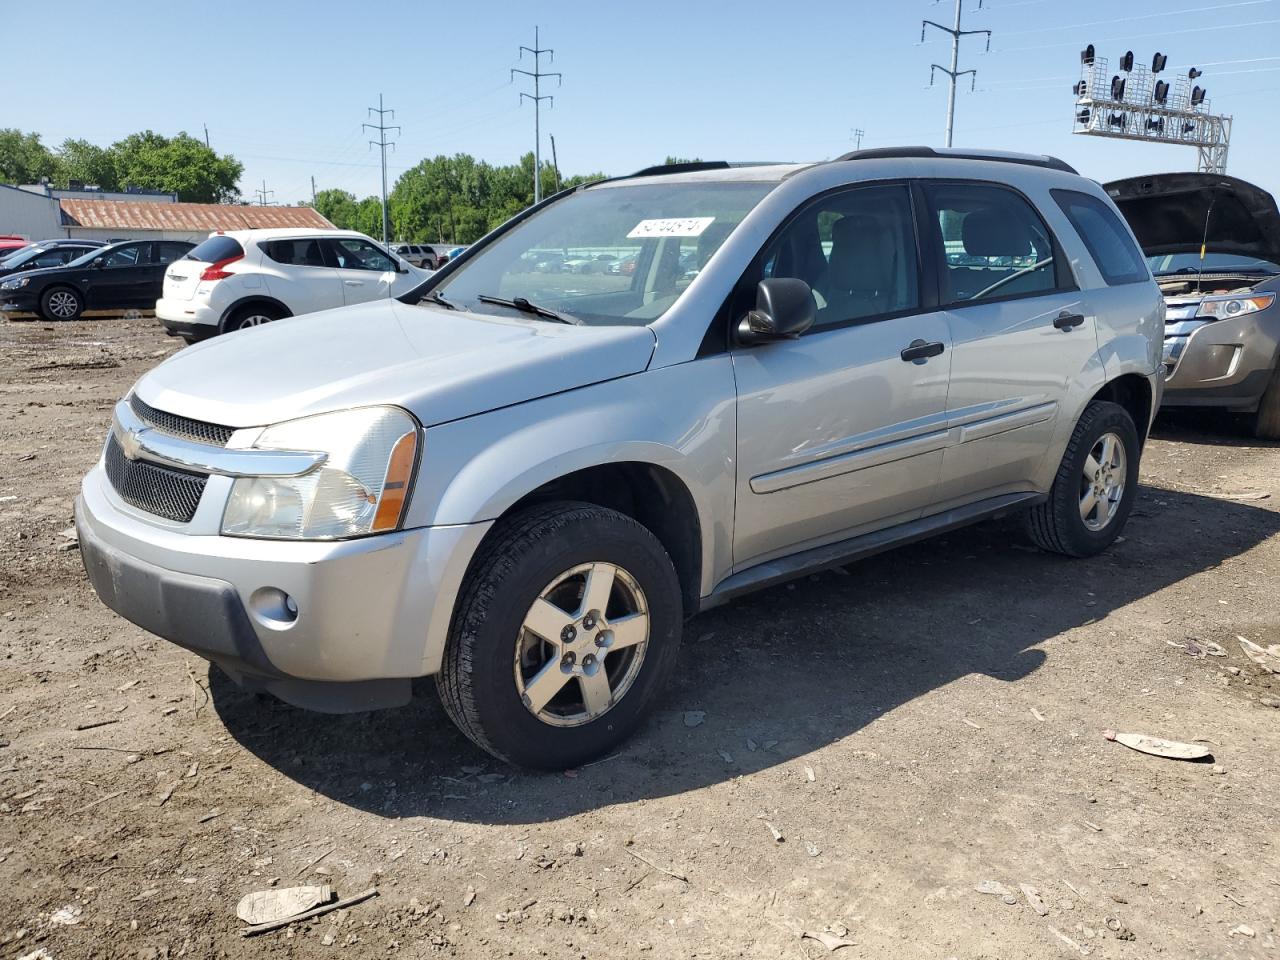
(250, 315)
(522, 556)
(61, 303)
(1266, 422)
(1057, 524)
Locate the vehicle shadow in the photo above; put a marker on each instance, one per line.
(1207, 426)
(794, 668)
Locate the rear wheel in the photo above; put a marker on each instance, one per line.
(565, 633)
(1096, 483)
(61, 303)
(253, 315)
(1266, 422)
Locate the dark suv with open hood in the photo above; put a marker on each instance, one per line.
(1213, 243)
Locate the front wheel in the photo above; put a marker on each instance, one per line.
(61, 303)
(565, 632)
(1095, 487)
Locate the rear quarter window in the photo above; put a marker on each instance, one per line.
(1118, 258)
(215, 249)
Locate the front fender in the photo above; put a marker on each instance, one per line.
(681, 418)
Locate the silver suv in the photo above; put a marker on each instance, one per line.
(523, 480)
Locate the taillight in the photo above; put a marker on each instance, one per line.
(215, 271)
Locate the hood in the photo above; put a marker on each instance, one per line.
(1168, 214)
(442, 365)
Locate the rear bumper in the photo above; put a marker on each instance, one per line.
(370, 613)
(187, 318)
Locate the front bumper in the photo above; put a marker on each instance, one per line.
(371, 613)
(19, 301)
(1221, 363)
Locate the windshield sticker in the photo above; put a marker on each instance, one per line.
(671, 227)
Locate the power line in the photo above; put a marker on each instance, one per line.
(1164, 14)
(382, 143)
(955, 72)
(537, 97)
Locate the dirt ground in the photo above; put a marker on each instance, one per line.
(911, 726)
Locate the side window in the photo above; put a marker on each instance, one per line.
(136, 254)
(1108, 242)
(53, 258)
(301, 252)
(354, 253)
(994, 244)
(856, 250)
(170, 251)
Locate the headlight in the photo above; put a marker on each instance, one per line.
(1223, 308)
(361, 488)
(17, 283)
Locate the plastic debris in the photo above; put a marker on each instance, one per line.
(811, 848)
(1119, 929)
(1268, 658)
(828, 940)
(67, 916)
(469, 897)
(315, 912)
(1034, 899)
(268, 906)
(809, 775)
(1157, 747)
(994, 888)
(1037, 714)
(777, 834)
(1244, 930)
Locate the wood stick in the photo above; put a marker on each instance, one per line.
(90, 726)
(109, 796)
(670, 873)
(324, 908)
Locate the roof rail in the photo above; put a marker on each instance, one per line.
(689, 166)
(899, 153)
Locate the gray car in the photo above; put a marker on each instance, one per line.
(1213, 243)
(524, 482)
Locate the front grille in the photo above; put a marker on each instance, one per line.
(197, 430)
(173, 494)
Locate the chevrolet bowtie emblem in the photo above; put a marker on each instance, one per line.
(131, 443)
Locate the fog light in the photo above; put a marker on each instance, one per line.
(273, 608)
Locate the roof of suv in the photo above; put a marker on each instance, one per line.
(272, 233)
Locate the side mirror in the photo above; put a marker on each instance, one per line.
(785, 308)
(99, 262)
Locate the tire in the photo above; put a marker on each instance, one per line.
(1266, 422)
(549, 554)
(61, 303)
(1062, 524)
(251, 315)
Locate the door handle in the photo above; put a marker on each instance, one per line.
(918, 351)
(354, 283)
(1066, 320)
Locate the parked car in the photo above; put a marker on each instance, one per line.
(524, 487)
(243, 278)
(1213, 242)
(119, 276)
(417, 254)
(10, 244)
(47, 253)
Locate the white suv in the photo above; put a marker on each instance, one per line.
(244, 278)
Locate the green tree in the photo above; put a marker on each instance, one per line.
(86, 162)
(180, 164)
(23, 158)
(338, 207)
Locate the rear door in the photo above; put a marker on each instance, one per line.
(366, 271)
(841, 431)
(1022, 332)
(126, 278)
(298, 274)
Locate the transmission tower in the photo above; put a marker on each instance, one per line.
(537, 97)
(382, 143)
(955, 73)
(263, 195)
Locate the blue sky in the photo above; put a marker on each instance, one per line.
(283, 85)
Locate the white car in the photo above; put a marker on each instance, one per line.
(243, 278)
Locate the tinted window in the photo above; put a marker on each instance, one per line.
(172, 250)
(994, 244)
(301, 252)
(215, 249)
(129, 256)
(1118, 258)
(53, 258)
(352, 253)
(856, 250)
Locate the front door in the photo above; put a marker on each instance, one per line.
(841, 431)
(125, 279)
(367, 273)
(1023, 335)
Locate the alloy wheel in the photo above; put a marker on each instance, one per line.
(63, 304)
(1102, 482)
(581, 644)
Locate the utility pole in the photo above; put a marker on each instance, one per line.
(206, 136)
(263, 194)
(313, 190)
(537, 97)
(555, 164)
(857, 138)
(955, 72)
(382, 143)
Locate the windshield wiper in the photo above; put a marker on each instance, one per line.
(524, 306)
(435, 296)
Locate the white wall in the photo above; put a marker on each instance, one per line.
(30, 215)
(98, 233)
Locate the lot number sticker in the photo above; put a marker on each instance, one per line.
(671, 227)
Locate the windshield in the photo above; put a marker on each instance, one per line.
(608, 255)
(1213, 263)
(86, 259)
(14, 255)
